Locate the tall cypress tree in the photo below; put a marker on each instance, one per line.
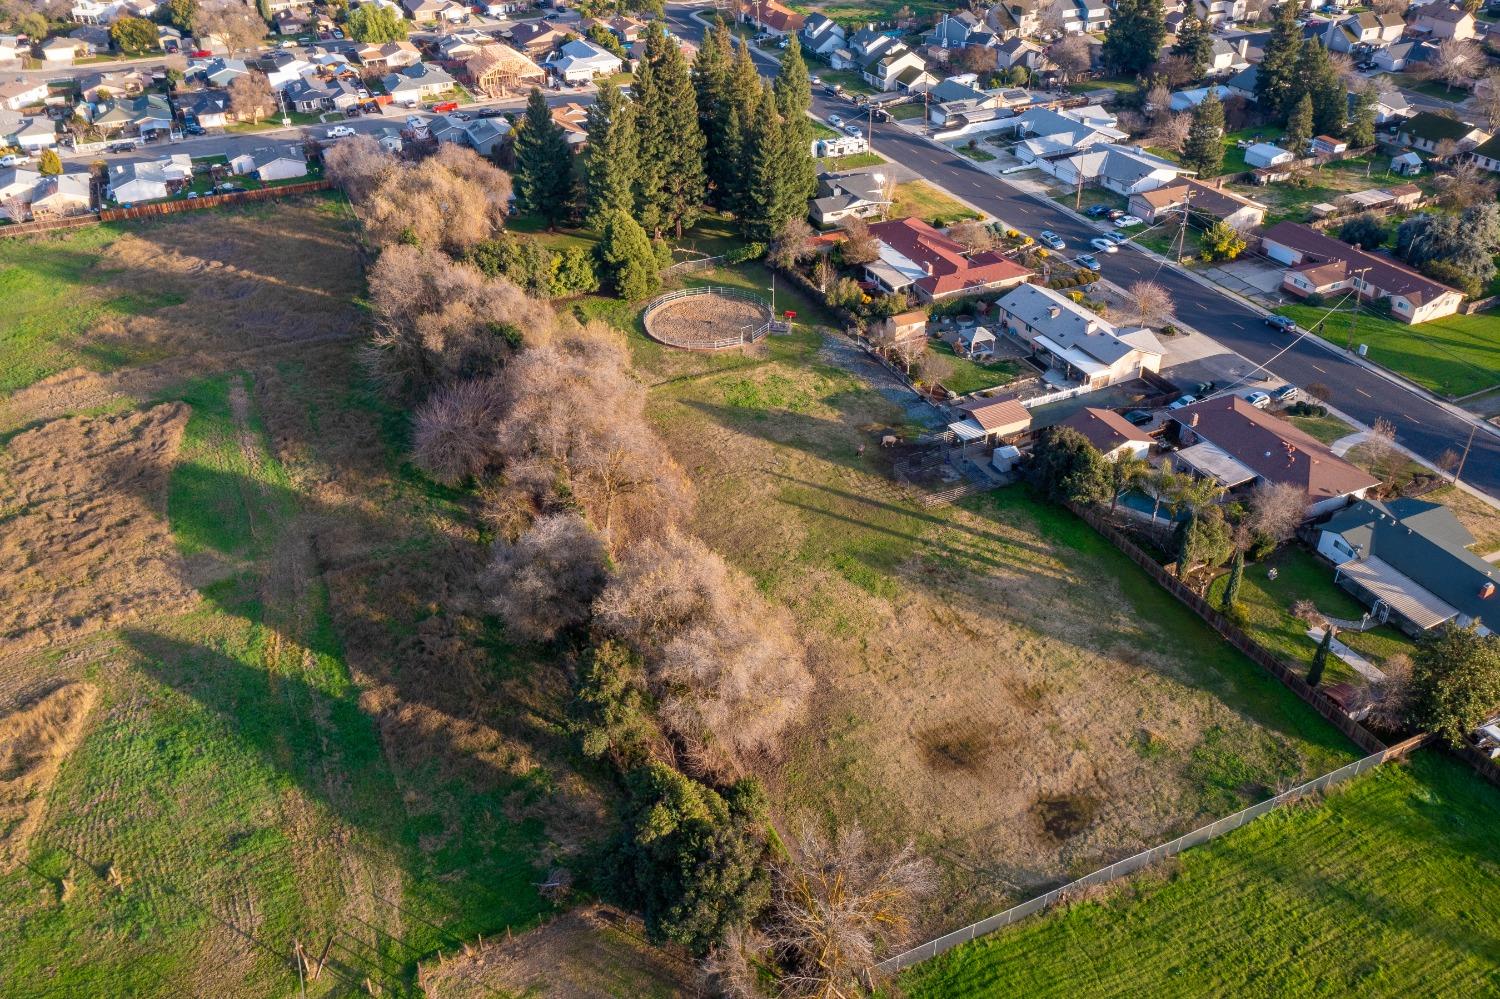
(793, 99)
(1317, 79)
(1204, 148)
(1134, 36)
(544, 165)
(1362, 120)
(672, 184)
(1299, 127)
(741, 106)
(1232, 586)
(1275, 79)
(1320, 658)
(1194, 43)
(613, 157)
(711, 84)
(770, 197)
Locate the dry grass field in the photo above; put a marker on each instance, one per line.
(304, 730)
(995, 681)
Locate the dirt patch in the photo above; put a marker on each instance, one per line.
(34, 741)
(1065, 816)
(85, 543)
(593, 951)
(707, 321)
(958, 745)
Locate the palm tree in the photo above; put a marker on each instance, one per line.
(1129, 471)
(1164, 484)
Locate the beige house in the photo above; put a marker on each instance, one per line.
(1443, 21)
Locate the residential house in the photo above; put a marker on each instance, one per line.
(148, 180)
(312, 94)
(1319, 264)
(1487, 154)
(16, 185)
(954, 30)
(1228, 57)
(20, 92)
(209, 108)
(1427, 131)
(1019, 52)
(62, 194)
(1400, 56)
(498, 70)
(850, 195)
(291, 22)
(573, 119)
(1123, 169)
(505, 8)
(1203, 199)
(418, 83)
(13, 49)
(1327, 145)
(916, 257)
(990, 420)
(1075, 344)
(423, 11)
(1048, 134)
(1264, 154)
(1186, 100)
(93, 40)
(537, 38)
(1407, 164)
(389, 55)
(287, 69)
(897, 67)
(1363, 32)
(1443, 21)
(480, 134)
(1390, 105)
(627, 30)
(221, 71)
(821, 34)
(1085, 16)
(1240, 447)
(271, 163)
(144, 116)
(96, 88)
(28, 132)
(59, 51)
(581, 60)
(1410, 560)
(894, 333)
(770, 16)
(461, 46)
(1242, 84)
(1110, 433)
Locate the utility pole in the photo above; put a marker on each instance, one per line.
(1354, 315)
(1460, 469)
(1187, 203)
(1078, 195)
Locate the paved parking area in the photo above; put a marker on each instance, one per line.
(1251, 278)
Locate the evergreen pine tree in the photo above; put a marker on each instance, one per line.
(1362, 122)
(1320, 658)
(612, 157)
(671, 184)
(50, 163)
(1134, 36)
(711, 85)
(1276, 74)
(627, 259)
(1204, 149)
(1232, 587)
(1299, 127)
(1194, 43)
(544, 165)
(1316, 78)
(793, 99)
(768, 191)
(742, 101)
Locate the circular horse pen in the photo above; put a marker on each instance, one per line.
(713, 318)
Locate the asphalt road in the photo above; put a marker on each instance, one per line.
(1422, 426)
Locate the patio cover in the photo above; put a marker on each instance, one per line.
(1216, 463)
(1419, 606)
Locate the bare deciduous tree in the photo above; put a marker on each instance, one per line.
(251, 96)
(1487, 97)
(1276, 509)
(1170, 131)
(1456, 61)
(1390, 698)
(358, 165)
(975, 237)
(838, 906)
(1467, 183)
(451, 200)
(1158, 101)
(792, 245)
(1148, 304)
(1380, 451)
(859, 246)
(546, 581)
(237, 25)
(726, 672)
(1072, 55)
(453, 432)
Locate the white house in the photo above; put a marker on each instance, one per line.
(1264, 154)
(821, 35)
(288, 72)
(849, 195)
(581, 60)
(16, 185)
(20, 91)
(147, 180)
(1048, 134)
(271, 163)
(1487, 154)
(62, 194)
(1124, 169)
(1081, 346)
(417, 83)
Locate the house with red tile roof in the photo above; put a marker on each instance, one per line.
(1230, 441)
(771, 17)
(917, 258)
(1319, 264)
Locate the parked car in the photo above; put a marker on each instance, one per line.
(1096, 211)
(1116, 237)
(1114, 213)
(1181, 401)
(338, 33)
(1088, 260)
(1104, 245)
(1280, 323)
(1127, 221)
(1049, 238)
(340, 132)
(1258, 399)
(1286, 395)
(193, 128)
(1138, 417)
(836, 121)
(12, 159)
(854, 130)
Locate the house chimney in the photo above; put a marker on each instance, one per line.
(1244, 46)
(1193, 420)
(1053, 312)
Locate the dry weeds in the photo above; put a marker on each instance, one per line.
(34, 741)
(86, 544)
(593, 951)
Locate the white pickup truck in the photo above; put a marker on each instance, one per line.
(340, 132)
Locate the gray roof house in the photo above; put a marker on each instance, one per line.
(1410, 560)
(849, 195)
(415, 84)
(139, 115)
(480, 134)
(221, 72)
(1077, 343)
(145, 180)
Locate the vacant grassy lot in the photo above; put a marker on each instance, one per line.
(1389, 887)
(1452, 356)
(929, 204)
(304, 730)
(995, 680)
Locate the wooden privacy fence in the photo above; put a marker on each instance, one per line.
(1145, 858)
(212, 201)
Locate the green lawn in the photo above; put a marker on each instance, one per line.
(1389, 887)
(976, 153)
(823, 131)
(1124, 86)
(851, 162)
(1436, 89)
(1453, 356)
(1324, 428)
(930, 204)
(971, 376)
(1267, 604)
(850, 80)
(908, 112)
(712, 236)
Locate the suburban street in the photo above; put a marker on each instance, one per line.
(1422, 426)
